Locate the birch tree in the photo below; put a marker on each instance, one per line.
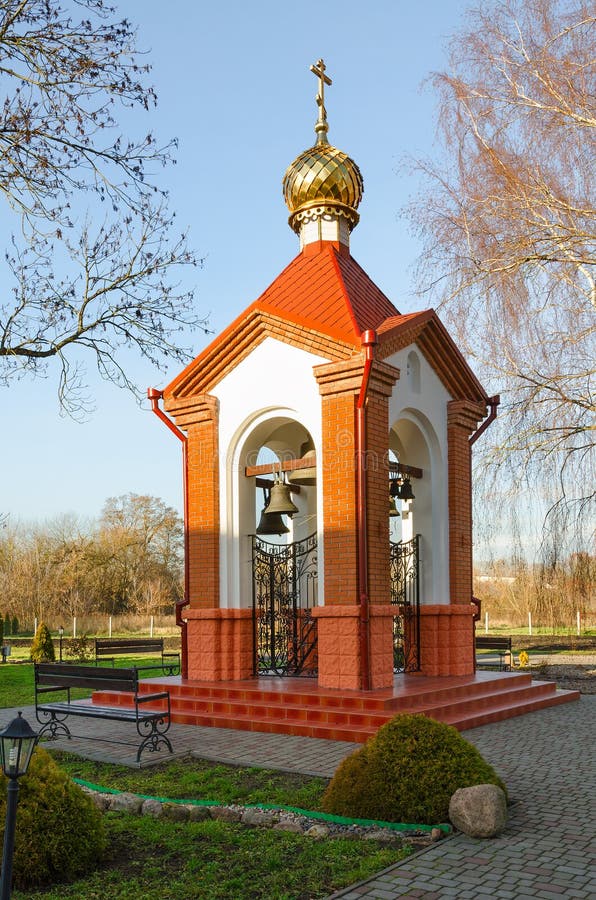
(508, 222)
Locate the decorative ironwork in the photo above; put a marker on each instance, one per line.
(284, 592)
(405, 594)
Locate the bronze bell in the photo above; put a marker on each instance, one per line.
(271, 523)
(308, 475)
(405, 490)
(393, 510)
(280, 500)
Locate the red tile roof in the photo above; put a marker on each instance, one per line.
(323, 301)
(328, 291)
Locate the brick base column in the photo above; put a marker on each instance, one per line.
(339, 646)
(220, 644)
(447, 639)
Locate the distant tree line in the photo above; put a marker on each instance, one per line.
(553, 592)
(129, 561)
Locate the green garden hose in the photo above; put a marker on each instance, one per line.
(311, 814)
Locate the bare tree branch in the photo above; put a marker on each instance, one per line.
(66, 66)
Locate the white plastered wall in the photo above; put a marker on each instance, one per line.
(271, 387)
(418, 418)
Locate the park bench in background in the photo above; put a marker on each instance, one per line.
(499, 653)
(110, 648)
(151, 724)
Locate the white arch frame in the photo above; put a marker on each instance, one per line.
(237, 504)
(430, 510)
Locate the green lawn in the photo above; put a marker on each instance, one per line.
(153, 860)
(199, 779)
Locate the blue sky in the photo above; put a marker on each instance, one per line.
(234, 86)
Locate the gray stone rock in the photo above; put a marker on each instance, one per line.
(318, 830)
(259, 817)
(102, 801)
(382, 835)
(175, 812)
(225, 813)
(152, 808)
(479, 811)
(436, 834)
(127, 803)
(198, 813)
(288, 825)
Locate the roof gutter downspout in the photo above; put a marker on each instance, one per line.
(493, 402)
(368, 339)
(155, 396)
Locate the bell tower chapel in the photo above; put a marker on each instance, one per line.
(327, 468)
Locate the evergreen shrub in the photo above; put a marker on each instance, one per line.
(59, 832)
(407, 773)
(80, 648)
(42, 646)
(14, 628)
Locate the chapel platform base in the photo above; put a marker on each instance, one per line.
(297, 706)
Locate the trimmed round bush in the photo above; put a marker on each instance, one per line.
(59, 832)
(407, 773)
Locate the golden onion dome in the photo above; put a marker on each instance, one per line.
(322, 176)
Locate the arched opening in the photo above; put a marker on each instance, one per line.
(277, 548)
(413, 441)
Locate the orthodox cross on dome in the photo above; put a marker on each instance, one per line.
(321, 128)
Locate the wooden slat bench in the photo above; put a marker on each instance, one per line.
(500, 652)
(110, 648)
(151, 724)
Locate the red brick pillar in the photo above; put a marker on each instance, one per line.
(462, 419)
(340, 664)
(219, 641)
(447, 630)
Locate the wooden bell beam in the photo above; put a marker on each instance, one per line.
(398, 469)
(289, 465)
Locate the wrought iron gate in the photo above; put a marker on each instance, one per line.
(405, 594)
(284, 592)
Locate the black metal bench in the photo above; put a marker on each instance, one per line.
(151, 724)
(500, 653)
(110, 648)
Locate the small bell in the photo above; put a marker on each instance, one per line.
(280, 500)
(405, 490)
(271, 523)
(308, 475)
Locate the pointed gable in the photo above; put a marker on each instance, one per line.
(426, 330)
(321, 302)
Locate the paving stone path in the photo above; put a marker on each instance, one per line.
(548, 850)
(546, 759)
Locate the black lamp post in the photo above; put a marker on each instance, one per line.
(17, 743)
(61, 635)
